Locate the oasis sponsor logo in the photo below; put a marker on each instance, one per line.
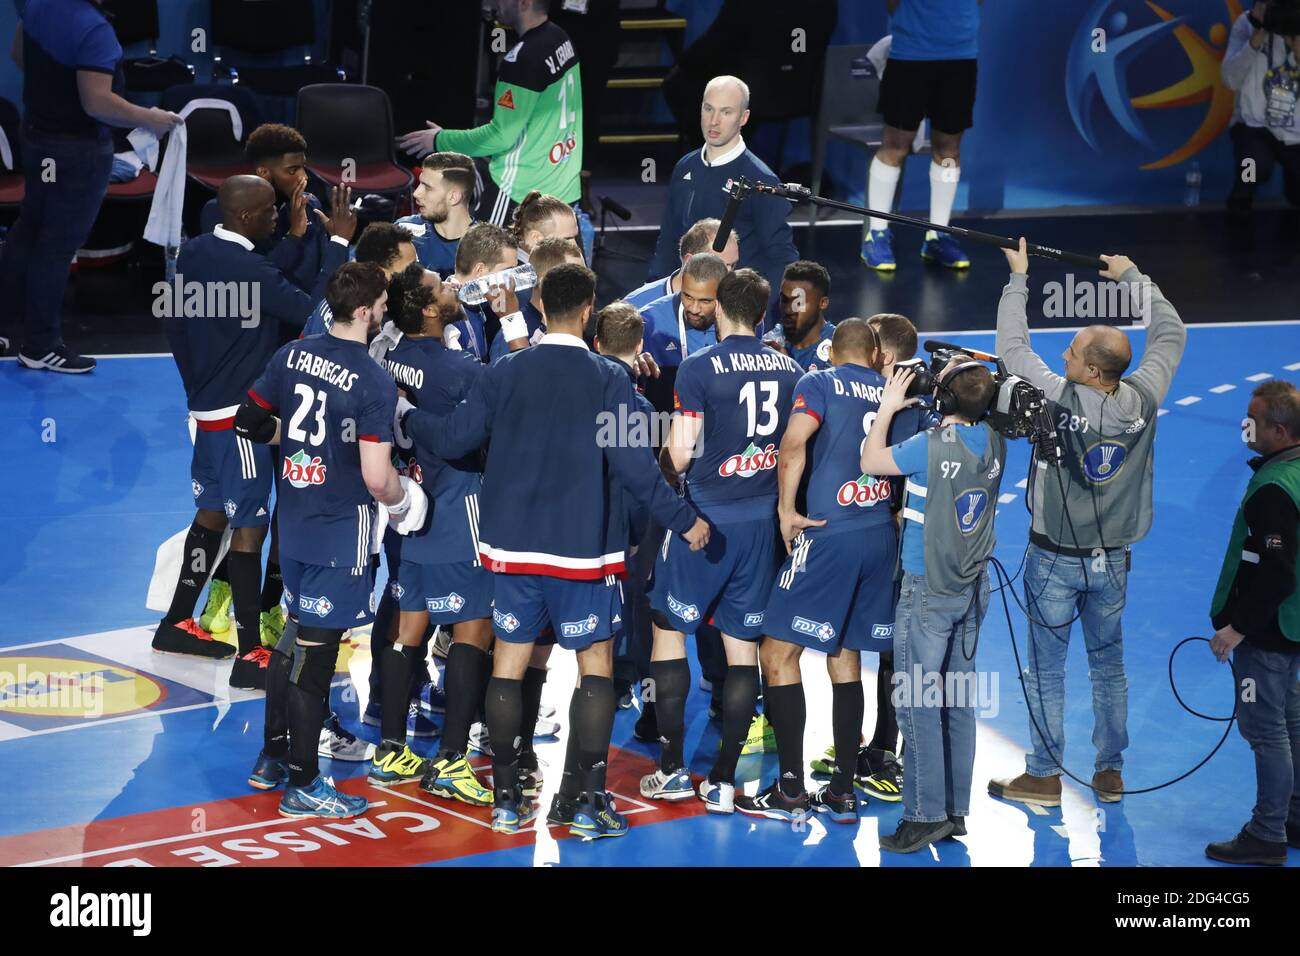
(749, 462)
(301, 471)
(560, 151)
(864, 492)
(687, 612)
(448, 603)
(76, 909)
(579, 628)
(507, 621)
(821, 630)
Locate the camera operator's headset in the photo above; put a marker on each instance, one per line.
(945, 399)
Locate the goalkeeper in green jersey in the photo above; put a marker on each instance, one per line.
(534, 139)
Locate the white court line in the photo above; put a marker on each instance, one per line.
(1163, 411)
(1022, 483)
(1259, 376)
(1220, 389)
(1189, 400)
(1292, 367)
(1007, 498)
(108, 851)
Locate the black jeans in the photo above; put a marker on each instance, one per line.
(1259, 144)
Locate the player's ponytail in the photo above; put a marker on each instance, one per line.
(533, 210)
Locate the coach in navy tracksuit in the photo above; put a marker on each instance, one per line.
(695, 192)
(553, 529)
(225, 310)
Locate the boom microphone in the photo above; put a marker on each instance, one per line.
(737, 189)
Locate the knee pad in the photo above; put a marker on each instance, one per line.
(313, 664)
(289, 638)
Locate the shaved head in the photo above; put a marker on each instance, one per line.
(1098, 356)
(247, 206)
(855, 342)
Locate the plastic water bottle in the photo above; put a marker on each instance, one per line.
(1192, 195)
(587, 232)
(476, 292)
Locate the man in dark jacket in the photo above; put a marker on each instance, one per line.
(1256, 611)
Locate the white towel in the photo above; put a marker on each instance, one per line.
(164, 225)
(167, 568)
(211, 103)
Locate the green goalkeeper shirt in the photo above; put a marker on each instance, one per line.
(535, 136)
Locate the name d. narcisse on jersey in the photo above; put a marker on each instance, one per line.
(320, 367)
(753, 362)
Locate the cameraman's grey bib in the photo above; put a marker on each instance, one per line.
(960, 500)
(1100, 494)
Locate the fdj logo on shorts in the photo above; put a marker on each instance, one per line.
(301, 471)
(749, 462)
(970, 507)
(320, 606)
(579, 628)
(821, 630)
(448, 603)
(864, 492)
(397, 591)
(1103, 461)
(687, 612)
(882, 632)
(754, 619)
(507, 621)
(196, 488)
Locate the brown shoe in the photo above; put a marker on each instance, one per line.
(1040, 791)
(1109, 786)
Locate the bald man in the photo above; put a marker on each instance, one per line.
(1086, 513)
(222, 318)
(695, 191)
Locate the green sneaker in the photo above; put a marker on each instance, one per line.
(762, 737)
(272, 626)
(825, 764)
(215, 618)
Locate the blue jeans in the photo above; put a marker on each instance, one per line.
(933, 633)
(1056, 589)
(1269, 719)
(52, 225)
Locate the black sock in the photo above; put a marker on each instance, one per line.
(380, 641)
(245, 589)
(222, 571)
(503, 706)
(272, 586)
(593, 719)
(397, 663)
(886, 733)
(534, 680)
(571, 780)
(194, 571)
(306, 718)
(275, 735)
(465, 680)
(671, 682)
(847, 706)
(787, 712)
(739, 693)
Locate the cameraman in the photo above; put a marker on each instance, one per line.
(953, 474)
(1262, 66)
(1086, 512)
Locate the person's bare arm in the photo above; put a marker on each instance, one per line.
(378, 472)
(790, 464)
(100, 102)
(682, 436)
(877, 459)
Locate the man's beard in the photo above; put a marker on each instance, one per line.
(435, 217)
(707, 323)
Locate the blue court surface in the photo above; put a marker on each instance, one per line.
(95, 477)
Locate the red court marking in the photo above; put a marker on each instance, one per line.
(403, 826)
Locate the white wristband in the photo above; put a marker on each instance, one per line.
(514, 326)
(404, 505)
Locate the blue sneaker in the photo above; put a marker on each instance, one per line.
(321, 799)
(510, 816)
(268, 773)
(598, 818)
(420, 724)
(431, 698)
(944, 250)
(878, 251)
(667, 786)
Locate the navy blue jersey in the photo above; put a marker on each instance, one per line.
(330, 395)
(320, 320)
(742, 389)
(437, 379)
(845, 401)
(817, 355)
(434, 252)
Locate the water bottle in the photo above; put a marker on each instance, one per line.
(476, 292)
(586, 231)
(1192, 195)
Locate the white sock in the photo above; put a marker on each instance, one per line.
(882, 183)
(943, 191)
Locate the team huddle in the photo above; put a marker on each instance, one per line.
(443, 400)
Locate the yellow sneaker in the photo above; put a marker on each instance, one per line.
(396, 763)
(272, 626)
(454, 779)
(215, 618)
(762, 737)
